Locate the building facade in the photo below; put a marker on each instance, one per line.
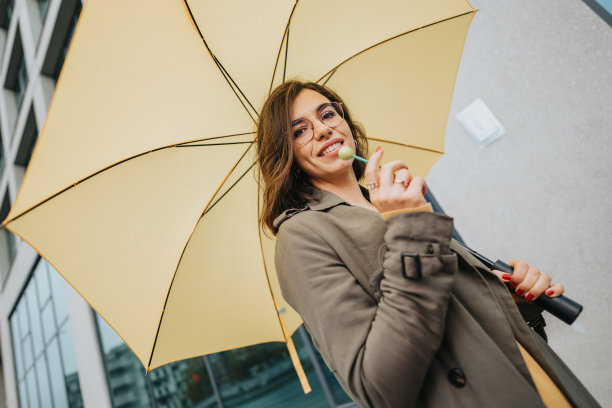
(56, 352)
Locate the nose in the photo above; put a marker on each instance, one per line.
(320, 130)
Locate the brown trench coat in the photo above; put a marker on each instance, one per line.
(446, 339)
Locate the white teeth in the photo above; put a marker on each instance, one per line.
(330, 148)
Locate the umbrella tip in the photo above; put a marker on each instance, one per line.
(346, 153)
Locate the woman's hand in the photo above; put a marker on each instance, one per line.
(529, 282)
(393, 187)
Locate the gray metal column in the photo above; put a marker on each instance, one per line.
(329, 396)
(150, 392)
(213, 382)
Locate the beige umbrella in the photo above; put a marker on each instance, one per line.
(141, 191)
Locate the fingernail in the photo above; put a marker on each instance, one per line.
(550, 292)
(378, 149)
(519, 292)
(513, 285)
(506, 276)
(528, 297)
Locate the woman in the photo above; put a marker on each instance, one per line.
(401, 315)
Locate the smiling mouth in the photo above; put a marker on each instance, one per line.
(330, 148)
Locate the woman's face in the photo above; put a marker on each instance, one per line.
(319, 157)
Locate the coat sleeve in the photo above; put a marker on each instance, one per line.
(380, 352)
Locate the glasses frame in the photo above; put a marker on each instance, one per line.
(318, 117)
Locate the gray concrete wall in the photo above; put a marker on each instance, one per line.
(543, 192)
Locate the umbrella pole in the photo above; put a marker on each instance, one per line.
(295, 359)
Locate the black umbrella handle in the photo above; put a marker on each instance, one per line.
(561, 306)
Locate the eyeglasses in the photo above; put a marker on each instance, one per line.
(330, 114)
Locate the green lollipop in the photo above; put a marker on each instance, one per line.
(346, 153)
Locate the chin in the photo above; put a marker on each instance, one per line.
(330, 173)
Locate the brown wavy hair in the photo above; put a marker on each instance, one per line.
(284, 184)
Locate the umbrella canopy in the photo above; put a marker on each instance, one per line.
(142, 192)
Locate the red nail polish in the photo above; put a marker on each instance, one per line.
(378, 149)
(519, 292)
(528, 297)
(550, 292)
(513, 285)
(506, 276)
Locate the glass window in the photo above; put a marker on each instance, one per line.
(124, 372)
(56, 374)
(48, 319)
(607, 4)
(28, 140)
(263, 376)
(45, 364)
(43, 379)
(16, 79)
(338, 394)
(43, 286)
(33, 394)
(7, 241)
(6, 14)
(603, 8)
(251, 377)
(22, 81)
(58, 285)
(67, 347)
(23, 320)
(17, 350)
(1, 155)
(34, 318)
(66, 45)
(23, 393)
(27, 351)
(43, 6)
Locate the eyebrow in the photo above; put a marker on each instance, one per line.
(297, 121)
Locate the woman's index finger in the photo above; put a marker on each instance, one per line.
(371, 171)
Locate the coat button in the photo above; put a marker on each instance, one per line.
(457, 378)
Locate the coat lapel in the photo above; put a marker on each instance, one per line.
(473, 289)
(563, 377)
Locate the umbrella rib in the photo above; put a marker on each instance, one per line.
(206, 209)
(213, 144)
(286, 53)
(74, 184)
(280, 49)
(393, 38)
(278, 58)
(212, 138)
(329, 77)
(224, 72)
(210, 207)
(405, 145)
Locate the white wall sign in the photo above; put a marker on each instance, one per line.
(478, 120)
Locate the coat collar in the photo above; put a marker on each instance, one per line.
(324, 200)
(321, 201)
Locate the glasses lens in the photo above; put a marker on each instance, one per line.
(302, 131)
(331, 114)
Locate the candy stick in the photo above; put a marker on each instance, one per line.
(346, 153)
